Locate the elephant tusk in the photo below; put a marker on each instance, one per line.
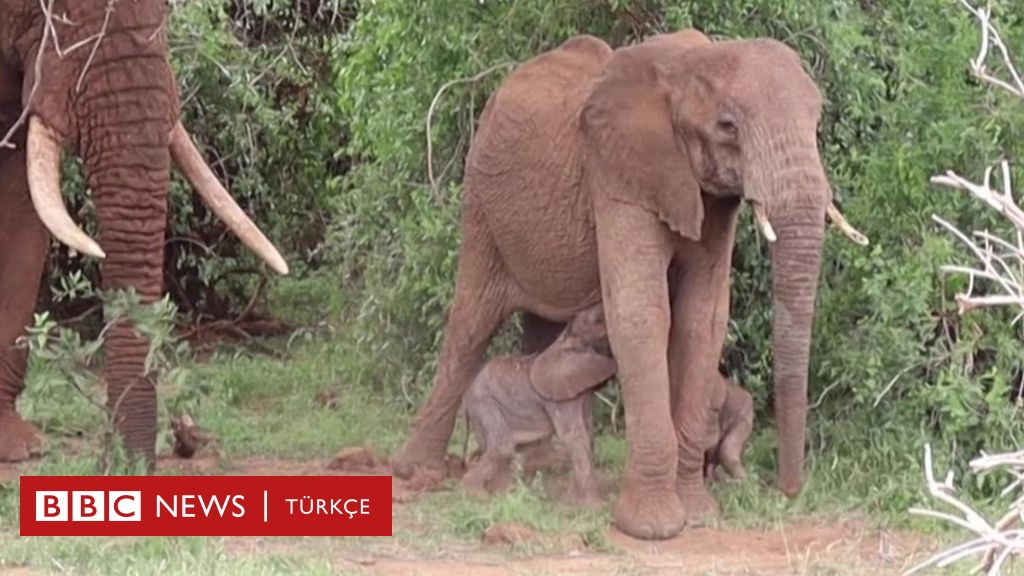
(43, 169)
(763, 224)
(844, 226)
(198, 173)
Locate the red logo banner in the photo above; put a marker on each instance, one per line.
(205, 506)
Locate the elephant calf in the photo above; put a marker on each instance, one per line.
(517, 402)
(508, 409)
(729, 427)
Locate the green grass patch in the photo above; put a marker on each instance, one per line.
(301, 407)
(150, 555)
(277, 407)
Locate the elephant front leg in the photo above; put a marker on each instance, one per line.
(634, 251)
(700, 318)
(23, 242)
(571, 426)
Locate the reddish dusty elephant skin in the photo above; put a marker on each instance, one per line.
(615, 176)
(507, 410)
(113, 103)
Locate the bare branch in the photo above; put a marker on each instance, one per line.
(995, 541)
(50, 36)
(6, 142)
(1002, 266)
(96, 44)
(430, 117)
(990, 37)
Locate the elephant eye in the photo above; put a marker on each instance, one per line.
(726, 124)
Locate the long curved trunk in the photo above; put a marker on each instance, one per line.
(788, 180)
(796, 263)
(125, 150)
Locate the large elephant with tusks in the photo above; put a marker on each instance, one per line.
(92, 77)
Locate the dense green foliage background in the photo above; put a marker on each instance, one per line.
(315, 116)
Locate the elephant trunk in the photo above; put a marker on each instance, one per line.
(125, 150)
(796, 264)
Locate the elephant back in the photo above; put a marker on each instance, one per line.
(534, 110)
(524, 170)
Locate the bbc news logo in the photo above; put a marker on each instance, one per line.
(206, 506)
(89, 506)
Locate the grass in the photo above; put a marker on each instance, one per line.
(145, 556)
(259, 405)
(274, 408)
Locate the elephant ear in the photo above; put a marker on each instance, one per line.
(633, 153)
(568, 368)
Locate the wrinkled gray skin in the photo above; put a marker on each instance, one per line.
(729, 427)
(506, 412)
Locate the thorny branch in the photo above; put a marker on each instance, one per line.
(1002, 261)
(997, 541)
(50, 36)
(1002, 267)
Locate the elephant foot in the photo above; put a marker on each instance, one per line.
(19, 440)
(724, 473)
(414, 462)
(699, 504)
(731, 471)
(475, 484)
(649, 514)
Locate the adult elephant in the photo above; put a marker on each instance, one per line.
(93, 78)
(618, 175)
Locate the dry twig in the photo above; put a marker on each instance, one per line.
(996, 541)
(430, 117)
(50, 37)
(1002, 267)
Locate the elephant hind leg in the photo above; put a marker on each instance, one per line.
(482, 301)
(23, 242)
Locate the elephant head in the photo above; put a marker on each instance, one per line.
(677, 122)
(92, 77)
(578, 360)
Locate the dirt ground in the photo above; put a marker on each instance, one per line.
(819, 546)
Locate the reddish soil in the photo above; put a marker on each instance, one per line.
(819, 546)
(832, 546)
